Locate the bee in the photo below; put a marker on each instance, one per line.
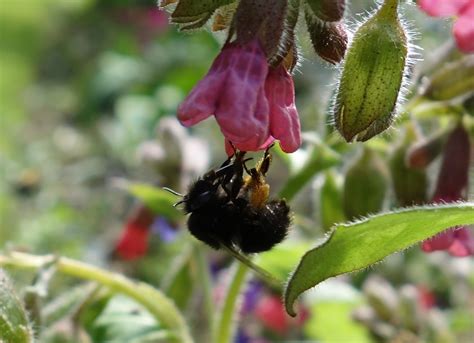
(229, 209)
(263, 223)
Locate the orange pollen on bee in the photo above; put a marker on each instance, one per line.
(259, 191)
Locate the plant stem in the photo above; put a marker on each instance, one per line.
(203, 271)
(152, 299)
(224, 330)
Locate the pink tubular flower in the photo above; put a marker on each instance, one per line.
(240, 90)
(452, 185)
(464, 25)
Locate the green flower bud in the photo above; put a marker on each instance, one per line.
(365, 185)
(409, 184)
(410, 309)
(372, 76)
(330, 202)
(422, 153)
(382, 297)
(468, 105)
(452, 80)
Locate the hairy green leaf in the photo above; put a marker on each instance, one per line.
(358, 245)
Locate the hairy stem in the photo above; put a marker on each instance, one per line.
(225, 325)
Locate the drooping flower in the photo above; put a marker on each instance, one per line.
(463, 27)
(452, 186)
(253, 104)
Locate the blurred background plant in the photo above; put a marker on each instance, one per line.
(88, 97)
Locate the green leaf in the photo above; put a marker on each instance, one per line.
(14, 325)
(192, 11)
(123, 320)
(355, 246)
(280, 260)
(158, 200)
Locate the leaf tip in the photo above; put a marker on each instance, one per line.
(289, 306)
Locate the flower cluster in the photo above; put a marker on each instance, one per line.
(463, 27)
(254, 104)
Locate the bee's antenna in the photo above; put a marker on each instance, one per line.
(178, 203)
(172, 192)
(223, 168)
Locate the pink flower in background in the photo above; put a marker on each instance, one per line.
(463, 27)
(458, 242)
(452, 186)
(133, 243)
(253, 104)
(271, 312)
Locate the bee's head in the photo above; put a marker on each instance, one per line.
(200, 194)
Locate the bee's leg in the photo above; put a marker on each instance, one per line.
(264, 164)
(233, 147)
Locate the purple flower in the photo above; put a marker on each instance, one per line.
(164, 229)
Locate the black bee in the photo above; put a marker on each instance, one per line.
(229, 209)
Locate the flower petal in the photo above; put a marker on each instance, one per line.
(439, 8)
(464, 29)
(463, 244)
(247, 146)
(242, 111)
(202, 101)
(441, 241)
(243, 124)
(284, 119)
